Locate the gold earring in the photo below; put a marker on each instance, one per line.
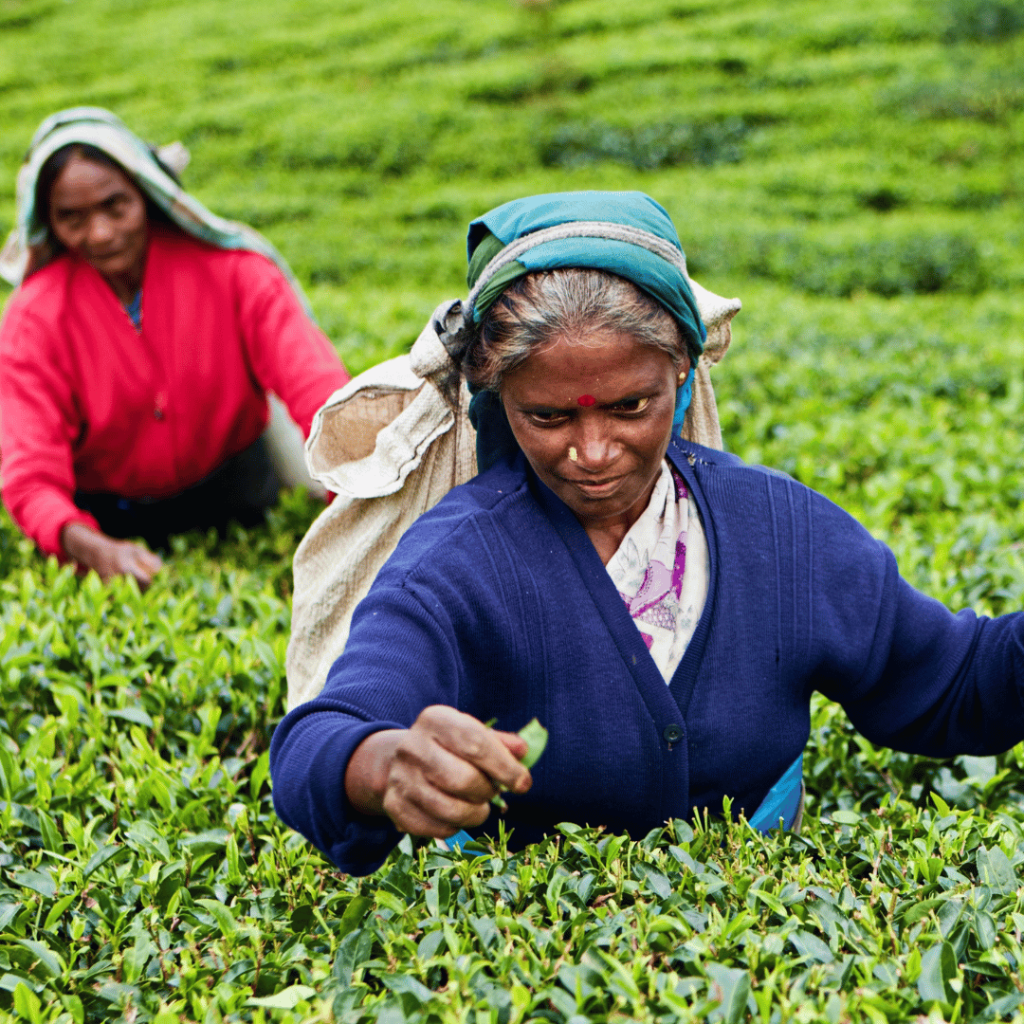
(682, 376)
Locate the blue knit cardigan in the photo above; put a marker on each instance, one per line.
(496, 602)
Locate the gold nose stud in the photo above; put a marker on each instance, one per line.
(573, 456)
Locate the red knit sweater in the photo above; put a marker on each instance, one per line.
(90, 403)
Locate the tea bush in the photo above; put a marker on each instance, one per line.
(852, 172)
(982, 20)
(872, 258)
(647, 147)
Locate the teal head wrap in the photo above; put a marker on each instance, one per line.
(624, 233)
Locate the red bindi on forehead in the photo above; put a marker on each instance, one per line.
(586, 400)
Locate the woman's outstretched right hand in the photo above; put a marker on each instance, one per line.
(109, 557)
(439, 775)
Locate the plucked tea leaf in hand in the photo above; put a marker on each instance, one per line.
(536, 737)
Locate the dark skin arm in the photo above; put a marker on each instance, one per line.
(438, 776)
(107, 556)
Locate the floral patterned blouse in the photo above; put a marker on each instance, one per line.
(661, 571)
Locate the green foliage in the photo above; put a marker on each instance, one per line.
(852, 172)
(874, 258)
(647, 147)
(982, 20)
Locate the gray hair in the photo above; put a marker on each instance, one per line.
(573, 302)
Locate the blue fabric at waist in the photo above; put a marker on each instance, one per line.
(781, 802)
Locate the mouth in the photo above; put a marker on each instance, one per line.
(102, 257)
(596, 488)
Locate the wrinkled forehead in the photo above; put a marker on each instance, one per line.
(597, 367)
(84, 182)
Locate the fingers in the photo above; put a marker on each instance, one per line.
(134, 560)
(450, 775)
(424, 810)
(108, 556)
(516, 746)
(151, 560)
(445, 770)
(145, 565)
(468, 739)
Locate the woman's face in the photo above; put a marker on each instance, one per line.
(594, 417)
(99, 214)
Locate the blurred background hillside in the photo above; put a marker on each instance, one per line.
(850, 170)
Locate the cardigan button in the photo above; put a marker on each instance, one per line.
(158, 413)
(672, 734)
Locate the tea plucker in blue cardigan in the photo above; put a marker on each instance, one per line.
(665, 610)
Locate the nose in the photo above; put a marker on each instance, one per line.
(100, 230)
(596, 445)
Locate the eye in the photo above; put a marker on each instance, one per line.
(548, 417)
(68, 220)
(633, 405)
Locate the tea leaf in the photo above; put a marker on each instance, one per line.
(536, 737)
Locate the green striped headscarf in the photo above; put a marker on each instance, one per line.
(100, 128)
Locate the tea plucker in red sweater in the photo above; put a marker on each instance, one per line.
(137, 354)
(663, 609)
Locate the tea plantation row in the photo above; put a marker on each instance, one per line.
(145, 877)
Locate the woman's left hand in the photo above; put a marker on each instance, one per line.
(108, 556)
